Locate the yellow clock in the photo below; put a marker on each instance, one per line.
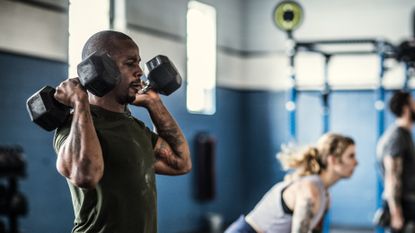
(288, 15)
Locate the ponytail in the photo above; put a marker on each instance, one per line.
(305, 162)
(313, 160)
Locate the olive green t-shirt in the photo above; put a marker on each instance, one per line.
(124, 200)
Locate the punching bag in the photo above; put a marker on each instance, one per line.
(205, 146)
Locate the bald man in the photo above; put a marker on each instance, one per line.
(109, 157)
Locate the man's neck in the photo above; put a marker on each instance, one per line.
(107, 103)
(404, 122)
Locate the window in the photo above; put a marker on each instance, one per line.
(201, 58)
(85, 19)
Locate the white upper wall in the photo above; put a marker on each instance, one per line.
(30, 30)
(341, 19)
(251, 49)
(390, 19)
(64, 4)
(169, 16)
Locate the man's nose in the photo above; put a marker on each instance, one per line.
(138, 72)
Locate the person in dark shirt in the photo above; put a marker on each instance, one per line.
(396, 157)
(109, 157)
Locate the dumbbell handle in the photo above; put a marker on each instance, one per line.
(147, 87)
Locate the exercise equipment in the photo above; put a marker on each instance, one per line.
(403, 52)
(288, 15)
(205, 150)
(99, 75)
(13, 203)
(406, 52)
(162, 76)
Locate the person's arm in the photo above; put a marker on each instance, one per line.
(306, 204)
(80, 156)
(393, 189)
(171, 150)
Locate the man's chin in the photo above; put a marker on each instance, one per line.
(127, 100)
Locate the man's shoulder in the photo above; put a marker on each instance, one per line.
(392, 132)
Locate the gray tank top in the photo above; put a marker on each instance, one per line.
(269, 215)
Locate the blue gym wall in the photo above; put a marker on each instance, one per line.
(249, 127)
(46, 190)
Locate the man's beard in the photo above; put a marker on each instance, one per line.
(127, 99)
(413, 116)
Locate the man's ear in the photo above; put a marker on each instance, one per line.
(406, 108)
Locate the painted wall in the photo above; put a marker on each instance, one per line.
(352, 113)
(46, 190)
(35, 31)
(249, 127)
(250, 124)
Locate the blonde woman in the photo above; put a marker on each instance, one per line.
(297, 204)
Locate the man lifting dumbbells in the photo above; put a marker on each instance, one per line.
(108, 156)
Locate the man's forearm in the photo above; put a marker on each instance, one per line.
(393, 184)
(168, 129)
(394, 194)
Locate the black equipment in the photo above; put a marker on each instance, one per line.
(99, 74)
(12, 202)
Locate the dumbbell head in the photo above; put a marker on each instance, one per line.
(162, 75)
(45, 110)
(406, 52)
(98, 73)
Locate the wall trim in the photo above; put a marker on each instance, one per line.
(44, 5)
(224, 49)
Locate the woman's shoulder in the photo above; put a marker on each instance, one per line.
(311, 186)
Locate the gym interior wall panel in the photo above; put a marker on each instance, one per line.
(151, 45)
(64, 4)
(259, 33)
(33, 31)
(354, 114)
(46, 191)
(169, 17)
(264, 73)
(232, 71)
(329, 20)
(390, 20)
(309, 122)
(266, 127)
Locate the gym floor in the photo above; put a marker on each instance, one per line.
(351, 231)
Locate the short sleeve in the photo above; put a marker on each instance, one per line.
(396, 146)
(149, 133)
(61, 134)
(154, 137)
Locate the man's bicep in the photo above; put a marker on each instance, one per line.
(393, 164)
(59, 139)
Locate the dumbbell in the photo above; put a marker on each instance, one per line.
(99, 75)
(405, 52)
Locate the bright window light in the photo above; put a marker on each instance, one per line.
(85, 19)
(201, 58)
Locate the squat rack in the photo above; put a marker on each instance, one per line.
(287, 16)
(382, 48)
